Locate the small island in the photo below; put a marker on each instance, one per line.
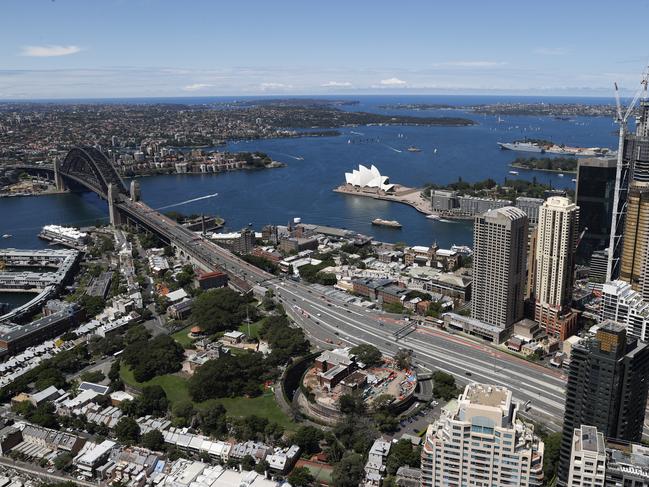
(550, 164)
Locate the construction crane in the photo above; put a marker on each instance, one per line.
(621, 173)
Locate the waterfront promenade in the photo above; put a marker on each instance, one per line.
(402, 194)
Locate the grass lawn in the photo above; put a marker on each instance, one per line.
(176, 389)
(183, 337)
(254, 328)
(321, 473)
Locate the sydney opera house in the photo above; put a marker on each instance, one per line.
(368, 178)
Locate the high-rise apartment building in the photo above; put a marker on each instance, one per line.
(597, 462)
(555, 262)
(588, 458)
(594, 197)
(607, 388)
(500, 247)
(481, 441)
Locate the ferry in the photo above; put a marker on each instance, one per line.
(386, 223)
(412, 148)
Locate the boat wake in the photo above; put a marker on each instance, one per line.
(188, 201)
(392, 148)
(356, 133)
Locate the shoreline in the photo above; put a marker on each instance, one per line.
(542, 170)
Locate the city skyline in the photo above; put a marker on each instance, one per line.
(70, 49)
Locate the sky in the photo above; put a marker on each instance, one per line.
(151, 48)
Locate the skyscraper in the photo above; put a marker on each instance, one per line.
(628, 256)
(555, 261)
(500, 247)
(594, 196)
(481, 441)
(636, 235)
(607, 388)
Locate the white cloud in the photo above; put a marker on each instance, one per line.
(275, 86)
(551, 51)
(469, 64)
(336, 84)
(49, 51)
(392, 82)
(197, 86)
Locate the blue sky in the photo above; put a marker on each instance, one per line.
(121, 48)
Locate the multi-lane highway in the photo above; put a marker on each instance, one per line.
(327, 321)
(330, 322)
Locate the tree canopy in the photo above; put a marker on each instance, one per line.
(368, 354)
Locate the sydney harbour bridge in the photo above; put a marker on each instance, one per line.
(87, 168)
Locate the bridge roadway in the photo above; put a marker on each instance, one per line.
(329, 322)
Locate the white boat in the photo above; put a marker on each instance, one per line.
(574, 180)
(434, 151)
(7, 235)
(560, 174)
(433, 216)
(515, 173)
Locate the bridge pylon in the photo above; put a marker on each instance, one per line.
(113, 212)
(58, 179)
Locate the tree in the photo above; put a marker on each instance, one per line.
(444, 386)
(402, 454)
(262, 467)
(403, 359)
(212, 420)
(127, 431)
(94, 376)
(183, 411)
(63, 460)
(301, 477)
(159, 356)
(153, 401)
(352, 404)
(220, 309)
(247, 463)
(308, 439)
(551, 454)
(153, 440)
(136, 334)
(229, 376)
(368, 354)
(92, 304)
(349, 471)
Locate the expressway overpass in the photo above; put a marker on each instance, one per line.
(325, 321)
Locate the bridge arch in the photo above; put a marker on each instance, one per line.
(91, 168)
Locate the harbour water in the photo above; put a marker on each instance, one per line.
(316, 165)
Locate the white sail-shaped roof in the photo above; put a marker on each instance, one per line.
(368, 178)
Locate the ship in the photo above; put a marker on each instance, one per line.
(521, 146)
(412, 148)
(7, 235)
(515, 173)
(386, 223)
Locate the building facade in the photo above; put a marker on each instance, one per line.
(500, 246)
(620, 303)
(555, 262)
(607, 389)
(481, 441)
(588, 458)
(594, 196)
